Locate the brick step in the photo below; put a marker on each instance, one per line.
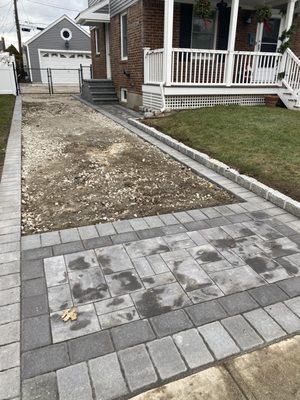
(104, 93)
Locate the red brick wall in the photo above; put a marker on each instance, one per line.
(134, 64)
(99, 60)
(295, 45)
(243, 31)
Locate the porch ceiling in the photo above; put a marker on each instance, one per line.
(248, 4)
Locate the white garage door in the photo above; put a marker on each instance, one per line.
(64, 66)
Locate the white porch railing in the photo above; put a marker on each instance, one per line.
(292, 72)
(256, 68)
(198, 67)
(192, 67)
(153, 66)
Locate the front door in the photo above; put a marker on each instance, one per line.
(267, 42)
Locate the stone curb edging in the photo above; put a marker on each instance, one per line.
(264, 191)
(10, 204)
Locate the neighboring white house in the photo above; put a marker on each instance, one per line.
(63, 46)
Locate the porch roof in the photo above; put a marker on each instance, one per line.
(94, 15)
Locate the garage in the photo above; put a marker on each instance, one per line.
(64, 66)
(61, 48)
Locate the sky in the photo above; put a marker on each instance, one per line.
(34, 13)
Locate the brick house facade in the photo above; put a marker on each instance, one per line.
(145, 28)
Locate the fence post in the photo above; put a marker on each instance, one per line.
(16, 79)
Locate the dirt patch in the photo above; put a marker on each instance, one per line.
(81, 168)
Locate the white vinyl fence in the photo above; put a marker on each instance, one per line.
(7, 74)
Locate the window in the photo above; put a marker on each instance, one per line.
(203, 33)
(66, 34)
(269, 41)
(124, 39)
(97, 40)
(123, 95)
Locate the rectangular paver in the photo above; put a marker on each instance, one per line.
(218, 340)
(264, 324)
(107, 377)
(193, 348)
(169, 323)
(74, 383)
(138, 368)
(242, 332)
(43, 387)
(166, 357)
(284, 317)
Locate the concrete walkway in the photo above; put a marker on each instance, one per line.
(158, 297)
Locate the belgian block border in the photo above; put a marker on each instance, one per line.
(272, 195)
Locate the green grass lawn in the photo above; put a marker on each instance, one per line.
(258, 141)
(6, 110)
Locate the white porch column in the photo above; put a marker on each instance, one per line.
(168, 41)
(231, 40)
(290, 14)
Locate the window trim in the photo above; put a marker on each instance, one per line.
(123, 58)
(123, 91)
(67, 30)
(97, 44)
(215, 33)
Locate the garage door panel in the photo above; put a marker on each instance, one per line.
(64, 67)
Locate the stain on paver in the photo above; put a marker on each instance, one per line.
(160, 299)
(123, 282)
(88, 285)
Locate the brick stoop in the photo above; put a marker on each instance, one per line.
(99, 91)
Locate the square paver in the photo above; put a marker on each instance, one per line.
(138, 368)
(123, 282)
(169, 323)
(189, 274)
(244, 335)
(81, 261)
(205, 253)
(237, 279)
(160, 299)
(33, 287)
(193, 348)
(87, 322)
(166, 357)
(107, 377)
(88, 285)
(34, 306)
(218, 340)
(74, 383)
(113, 259)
